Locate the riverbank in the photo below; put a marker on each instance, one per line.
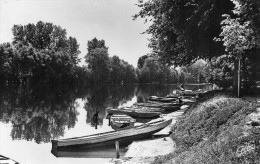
(146, 151)
(218, 129)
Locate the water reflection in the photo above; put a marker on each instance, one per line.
(103, 97)
(40, 114)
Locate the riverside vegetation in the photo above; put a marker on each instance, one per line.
(217, 129)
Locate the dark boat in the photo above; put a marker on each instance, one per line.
(191, 93)
(133, 112)
(90, 140)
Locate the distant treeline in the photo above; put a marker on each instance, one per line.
(42, 53)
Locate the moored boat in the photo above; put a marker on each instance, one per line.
(121, 119)
(7, 160)
(141, 130)
(118, 121)
(134, 112)
(162, 99)
(164, 106)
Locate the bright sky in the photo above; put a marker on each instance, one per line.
(110, 20)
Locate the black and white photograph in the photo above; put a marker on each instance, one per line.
(129, 81)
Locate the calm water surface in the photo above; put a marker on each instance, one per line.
(31, 117)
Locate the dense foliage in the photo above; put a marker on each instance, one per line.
(154, 71)
(184, 31)
(107, 69)
(42, 54)
(39, 53)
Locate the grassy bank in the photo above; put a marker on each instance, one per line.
(218, 129)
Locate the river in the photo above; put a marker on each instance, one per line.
(30, 117)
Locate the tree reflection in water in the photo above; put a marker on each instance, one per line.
(103, 96)
(41, 114)
(38, 114)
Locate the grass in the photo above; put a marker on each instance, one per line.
(215, 130)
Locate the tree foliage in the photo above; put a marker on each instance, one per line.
(183, 30)
(39, 53)
(107, 69)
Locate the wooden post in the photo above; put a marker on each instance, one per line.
(117, 149)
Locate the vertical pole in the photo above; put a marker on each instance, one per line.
(238, 81)
(117, 149)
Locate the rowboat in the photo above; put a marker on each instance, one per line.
(141, 130)
(162, 99)
(118, 121)
(7, 160)
(134, 112)
(121, 119)
(165, 106)
(193, 93)
(143, 108)
(182, 96)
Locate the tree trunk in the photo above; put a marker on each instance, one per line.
(235, 77)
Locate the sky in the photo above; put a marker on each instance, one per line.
(110, 20)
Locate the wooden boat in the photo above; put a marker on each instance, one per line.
(121, 119)
(97, 151)
(143, 108)
(134, 112)
(191, 93)
(162, 99)
(164, 106)
(141, 130)
(7, 160)
(118, 121)
(181, 96)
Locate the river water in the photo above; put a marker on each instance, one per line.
(30, 117)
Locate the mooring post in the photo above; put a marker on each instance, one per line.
(117, 149)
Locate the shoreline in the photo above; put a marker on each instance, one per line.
(146, 151)
(217, 112)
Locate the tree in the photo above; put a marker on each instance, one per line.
(73, 49)
(41, 53)
(141, 61)
(116, 73)
(183, 30)
(6, 53)
(95, 43)
(98, 64)
(220, 71)
(241, 34)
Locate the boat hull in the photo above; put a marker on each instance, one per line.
(142, 130)
(133, 113)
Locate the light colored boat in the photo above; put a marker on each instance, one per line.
(121, 119)
(134, 112)
(141, 130)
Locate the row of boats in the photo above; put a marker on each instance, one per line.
(154, 107)
(125, 117)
